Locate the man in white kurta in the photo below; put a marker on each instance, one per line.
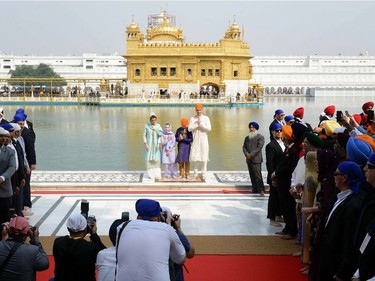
(146, 244)
(199, 125)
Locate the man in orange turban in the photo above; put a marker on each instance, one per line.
(199, 125)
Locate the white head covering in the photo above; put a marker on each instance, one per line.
(15, 126)
(3, 132)
(76, 222)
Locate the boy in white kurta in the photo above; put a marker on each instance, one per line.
(199, 125)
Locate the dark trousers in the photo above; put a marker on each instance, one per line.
(288, 208)
(27, 192)
(18, 202)
(5, 204)
(274, 208)
(256, 178)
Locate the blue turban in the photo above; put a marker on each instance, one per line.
(21, 111)
(255, 125)
(288, 118)
(358, 151)
(354, 173)
(7, 126)
(371, 159)
(276, 126)
(19, 117)
(147, 208)
(279, 111)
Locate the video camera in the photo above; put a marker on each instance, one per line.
(85, 212)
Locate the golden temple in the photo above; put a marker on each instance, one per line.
(162, 62)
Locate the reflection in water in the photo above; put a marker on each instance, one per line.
(73, 138)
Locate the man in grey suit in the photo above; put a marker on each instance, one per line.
(252, 149)
(7, 169)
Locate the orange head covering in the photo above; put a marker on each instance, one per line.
(287, 132)
(199, 106)
(367, 139)
(184, 122)
(299, 112)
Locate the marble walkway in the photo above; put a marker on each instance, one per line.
(222, 205)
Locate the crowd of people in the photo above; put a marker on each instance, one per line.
(322, 188)
(192, 146)
(153, 247)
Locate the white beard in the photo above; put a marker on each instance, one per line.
(252, 134)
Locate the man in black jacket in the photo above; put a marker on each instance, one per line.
(74, 256)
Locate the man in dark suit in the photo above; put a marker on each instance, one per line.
(7, 169)
(337, 257)
(274, 152)
(365, 231)
(29, 139)
(252, 149)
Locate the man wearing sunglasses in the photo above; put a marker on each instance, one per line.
(365, 234)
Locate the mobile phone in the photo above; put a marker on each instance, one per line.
(339, 116)
(347, 113)
(370, 116)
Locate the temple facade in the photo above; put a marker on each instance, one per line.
(162, 62)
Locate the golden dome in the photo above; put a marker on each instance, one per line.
(234, 27)
(164, 32)
(133, 26)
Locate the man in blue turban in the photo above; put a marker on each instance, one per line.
(252, 149)
(145, 245)
(338, 251)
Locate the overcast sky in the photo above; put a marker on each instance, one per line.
(271, 27)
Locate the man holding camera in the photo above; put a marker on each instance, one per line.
(20, 260)
(74, 256)
(145, 245)
(176, 270)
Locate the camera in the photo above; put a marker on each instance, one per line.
(91, 220)
(125, 216)
(175, 217)
(85, 208)
(32, 228)
(12, 212)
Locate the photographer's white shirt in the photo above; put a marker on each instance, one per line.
(144, 251)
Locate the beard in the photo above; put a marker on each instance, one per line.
(252, 135)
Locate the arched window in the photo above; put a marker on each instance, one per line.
(137, 72)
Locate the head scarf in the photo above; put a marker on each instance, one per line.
(255, 125)
(354, 173)
(76, 222)
(287, 132)
(358, 151)
(19, 225)
(147, 208)
(184, 122)
(199, 106)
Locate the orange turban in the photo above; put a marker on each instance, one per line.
(184, 122)
(199, 106)
(367, 139)
(287, 132)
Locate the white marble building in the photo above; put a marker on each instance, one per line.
(305, 75)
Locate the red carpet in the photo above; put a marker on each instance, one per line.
(232, 268)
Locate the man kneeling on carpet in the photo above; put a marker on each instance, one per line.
(74, 256)
(20, 260)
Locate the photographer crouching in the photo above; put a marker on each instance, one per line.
(176, 270)
(74, 256)
(20, 260)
